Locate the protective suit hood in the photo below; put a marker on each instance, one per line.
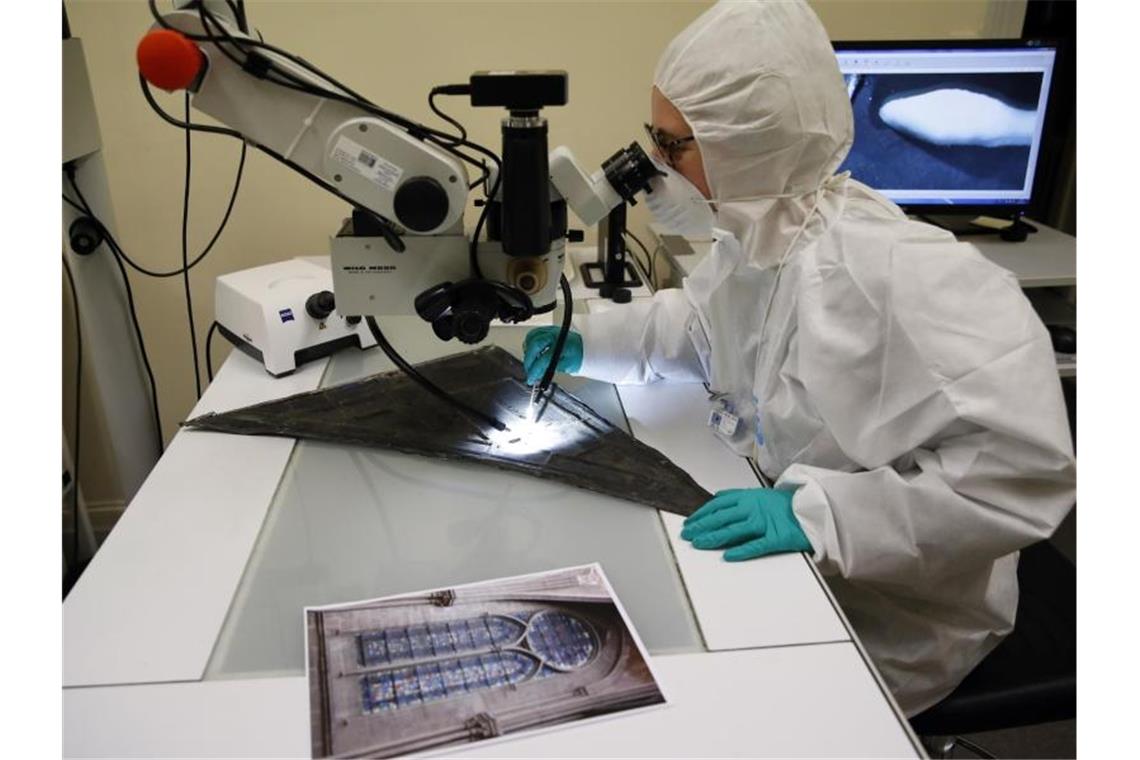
(759, 84)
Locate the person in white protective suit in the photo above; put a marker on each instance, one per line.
(896, 385)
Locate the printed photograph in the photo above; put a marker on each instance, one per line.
(943, 132)
(421, 671)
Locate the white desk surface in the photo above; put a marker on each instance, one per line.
(150, 608)
(765, 702)
(150, 604)
(1047, 258)
(726, 597)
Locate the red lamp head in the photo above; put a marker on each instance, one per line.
(169, 60)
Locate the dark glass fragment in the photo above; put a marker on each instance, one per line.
(571, 443)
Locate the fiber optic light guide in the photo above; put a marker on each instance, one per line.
(568, 441)
(451, 666)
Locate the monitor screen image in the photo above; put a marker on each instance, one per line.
(947, 126)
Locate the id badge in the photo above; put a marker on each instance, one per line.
(723, 421)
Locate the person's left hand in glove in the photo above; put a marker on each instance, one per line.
(750, 522)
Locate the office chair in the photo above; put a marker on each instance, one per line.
(1031, 677)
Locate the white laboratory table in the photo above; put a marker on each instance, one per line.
(1047, 258)
(183, 637)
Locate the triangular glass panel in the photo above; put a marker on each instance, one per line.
(571, 443)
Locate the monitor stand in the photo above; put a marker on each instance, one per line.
(963, 225)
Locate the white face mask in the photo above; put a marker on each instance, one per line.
(678, 206)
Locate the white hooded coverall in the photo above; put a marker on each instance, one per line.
(899, 379)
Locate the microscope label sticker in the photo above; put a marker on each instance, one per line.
(367, 164)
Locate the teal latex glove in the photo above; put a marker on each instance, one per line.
(752, 521)
(539, 345)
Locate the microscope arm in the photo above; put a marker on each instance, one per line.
(369, 161)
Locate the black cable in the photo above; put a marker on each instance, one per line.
(229, 206)
(349, 96)
(442, 139)
(471, 413)
(238, 9)
(209, 358)
(205, 15)
(462, 89)
(970, 746)
(181, 124)
(431, 104)
(244, 24)
(75, 446)
(289, 80)
(484, 175)
(650, 260)
(86, 209)
(559, 344)
(207, 19)
(142, 350)
(234, 12)
(445, 141)
(474, 255)
(186, 255)
(80, 209)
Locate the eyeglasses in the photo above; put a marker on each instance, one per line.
(668, 147)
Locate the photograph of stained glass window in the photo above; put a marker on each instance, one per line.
(404, 674)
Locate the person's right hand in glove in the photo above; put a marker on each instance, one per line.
(539, 345)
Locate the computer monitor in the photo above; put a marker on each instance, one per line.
(947, 127)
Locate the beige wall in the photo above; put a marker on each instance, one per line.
(393, 52)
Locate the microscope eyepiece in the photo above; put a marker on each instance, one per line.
(628, 171)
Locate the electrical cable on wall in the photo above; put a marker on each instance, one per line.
(221, 225)
(186, 256)
(86, 210)
(120, 256)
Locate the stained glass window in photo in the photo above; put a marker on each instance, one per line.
(433, 681)
(426, 663)
(420, 642)
(562, 641)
